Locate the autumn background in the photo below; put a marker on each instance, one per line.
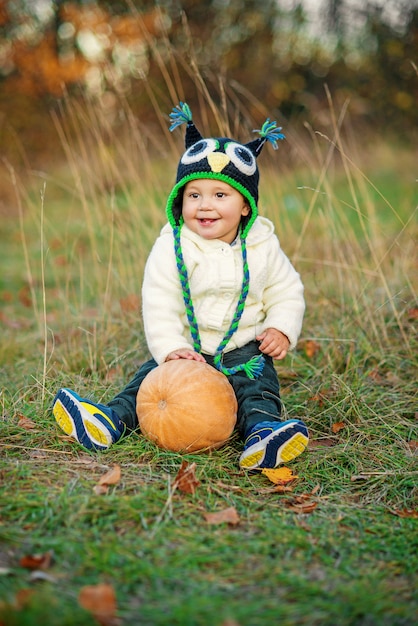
(138, 535)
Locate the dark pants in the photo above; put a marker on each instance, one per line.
(258, 400)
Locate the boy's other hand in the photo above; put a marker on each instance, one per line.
(274, 343)
(185, 353)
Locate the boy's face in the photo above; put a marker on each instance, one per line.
(213, 209)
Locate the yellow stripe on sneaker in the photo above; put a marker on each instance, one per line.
(252, 459)
(293, 447)
(96, 434)
(62, 419)
(94, 410)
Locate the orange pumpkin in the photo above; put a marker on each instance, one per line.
(186, 406)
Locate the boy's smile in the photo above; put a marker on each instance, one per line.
(213, 209)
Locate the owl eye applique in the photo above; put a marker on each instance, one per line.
(241, 157)
(199, 151)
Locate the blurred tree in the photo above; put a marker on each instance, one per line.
(51, 46)
(269, 50)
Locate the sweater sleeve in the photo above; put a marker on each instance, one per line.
(162, 302)
(283, 295)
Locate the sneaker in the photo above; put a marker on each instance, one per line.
(272, 443)
(95, 426)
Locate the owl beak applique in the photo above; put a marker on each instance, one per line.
(218, 161)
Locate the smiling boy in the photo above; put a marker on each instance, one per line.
(217, 288)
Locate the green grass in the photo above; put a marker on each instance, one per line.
(72, 259)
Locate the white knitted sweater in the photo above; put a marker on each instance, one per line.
(275, 298)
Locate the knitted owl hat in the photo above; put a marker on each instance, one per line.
(234, 163)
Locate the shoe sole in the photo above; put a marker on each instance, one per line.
(74, 419)
(280, 447)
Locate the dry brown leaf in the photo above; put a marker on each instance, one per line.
(25, 422)
(412, 513)
(413, 313)
(376, 376)
(337, 427)
(112, 477)
(100, 600)
(311, 348)
(304, 507)
(413, 445)
(321, 396)
(112, 374)
(25, 297)
(324, 442)
(23, 597)
(100, 490)
(279, 475)
(37, 561)
(186, 480)
(229, 516)
(130, 303)
(277, 489)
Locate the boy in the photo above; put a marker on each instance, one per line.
(217, 288)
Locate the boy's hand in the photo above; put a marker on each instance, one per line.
(185, 353)
(274, 343)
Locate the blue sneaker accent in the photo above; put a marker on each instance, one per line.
(272, 443)
(95, 426)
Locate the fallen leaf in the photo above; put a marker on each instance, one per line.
(186, 480)
(112, 374)
(229, 516)
(25, 297)
(100, 600)
(279, 475)
(337, 426)
(412, 445)
(413, 313)
(130, 303)
(324, 442)
(37, 561)
(100, 490)
(411, 513)
(321, 396)
(277, 489)
(25, 422)
(23, 597)
(311, 348)
(305, 507)
(375, 375)
(112, 477)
